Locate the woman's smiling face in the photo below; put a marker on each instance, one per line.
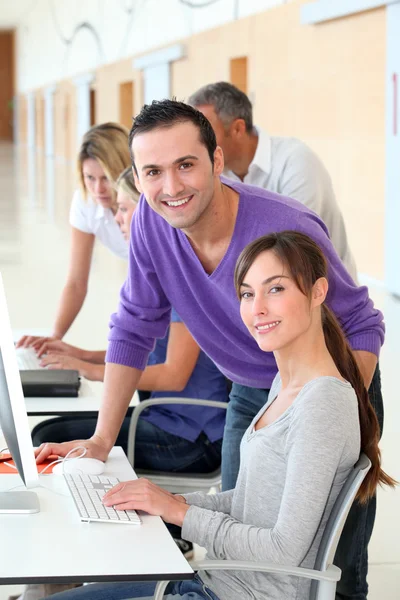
(272, 307)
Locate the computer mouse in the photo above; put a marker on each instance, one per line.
(79, 466)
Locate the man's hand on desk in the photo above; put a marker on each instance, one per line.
(95, 448)
(142, 494)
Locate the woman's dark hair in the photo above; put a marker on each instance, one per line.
(166, 113)
(306, 263)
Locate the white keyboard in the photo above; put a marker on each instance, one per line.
(27, 359)
(88, 491)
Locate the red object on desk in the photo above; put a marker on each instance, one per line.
(7, 458)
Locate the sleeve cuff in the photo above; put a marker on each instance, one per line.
(196, 498)
(369, 342)
(123, 353)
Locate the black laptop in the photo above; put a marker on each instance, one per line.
(56, 383)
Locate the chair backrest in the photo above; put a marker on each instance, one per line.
(173, 481)
(337, 519)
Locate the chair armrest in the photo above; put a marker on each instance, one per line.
(332, 574)
(157, 401)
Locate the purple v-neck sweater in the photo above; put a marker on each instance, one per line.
(164, 271)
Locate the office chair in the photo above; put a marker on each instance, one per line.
(174, 482)
(325, 575)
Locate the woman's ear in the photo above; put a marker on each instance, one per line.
(319, 291)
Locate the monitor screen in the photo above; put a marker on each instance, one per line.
(13, 418)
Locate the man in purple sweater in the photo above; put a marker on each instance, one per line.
(187, 233)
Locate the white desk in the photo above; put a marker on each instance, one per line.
(86, 403)
(54, 546)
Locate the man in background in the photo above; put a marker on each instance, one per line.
(279, 164)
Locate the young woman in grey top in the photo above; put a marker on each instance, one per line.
(296, 454)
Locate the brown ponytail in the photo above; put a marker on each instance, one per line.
(306, 263)
(346, 364)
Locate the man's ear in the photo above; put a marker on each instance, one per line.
(136, 179)
(237, 128)
(319, 292)
(219, 162)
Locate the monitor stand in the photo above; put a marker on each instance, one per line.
(19, 503)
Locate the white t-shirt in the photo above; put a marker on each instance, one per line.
(90, 217)
(288, 166)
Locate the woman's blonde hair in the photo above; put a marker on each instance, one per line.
(127, 184)
(108, 144)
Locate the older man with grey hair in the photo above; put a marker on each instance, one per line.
(279, 164)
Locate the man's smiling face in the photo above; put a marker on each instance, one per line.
(175, 173)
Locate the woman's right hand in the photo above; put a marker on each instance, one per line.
(60, 347)
(34, 341)
(95, 448)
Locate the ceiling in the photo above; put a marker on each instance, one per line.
(12, 12)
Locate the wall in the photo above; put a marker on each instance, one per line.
(22, 119)
(323, 84)
(109, 78)
(65, 111)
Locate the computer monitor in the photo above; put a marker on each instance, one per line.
(14, 420)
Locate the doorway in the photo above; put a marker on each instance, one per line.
(126, 103)
(238, 73)
(92, 107)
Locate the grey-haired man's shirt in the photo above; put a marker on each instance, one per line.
(288, 166)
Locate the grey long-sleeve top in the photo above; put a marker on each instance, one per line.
(290, 475)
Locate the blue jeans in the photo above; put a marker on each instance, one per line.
(194, 589)
(352, 552)
(155, 449)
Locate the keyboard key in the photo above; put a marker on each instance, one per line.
(122, 515)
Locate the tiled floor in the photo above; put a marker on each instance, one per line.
(34, 243)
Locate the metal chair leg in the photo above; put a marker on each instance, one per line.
(160, 589)
(326, 590)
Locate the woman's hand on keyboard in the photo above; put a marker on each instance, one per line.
(142, 494)
(34, 341)
(60, 347)
(94, 449)
(54, 360)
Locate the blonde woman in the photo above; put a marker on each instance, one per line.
(90, 363)
(103, 154)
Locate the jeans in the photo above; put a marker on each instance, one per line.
(244, 404)
(352, 552)
(194, 589)
(155, 449)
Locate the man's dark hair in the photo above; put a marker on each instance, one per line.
(228, 101)
(166, 113)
